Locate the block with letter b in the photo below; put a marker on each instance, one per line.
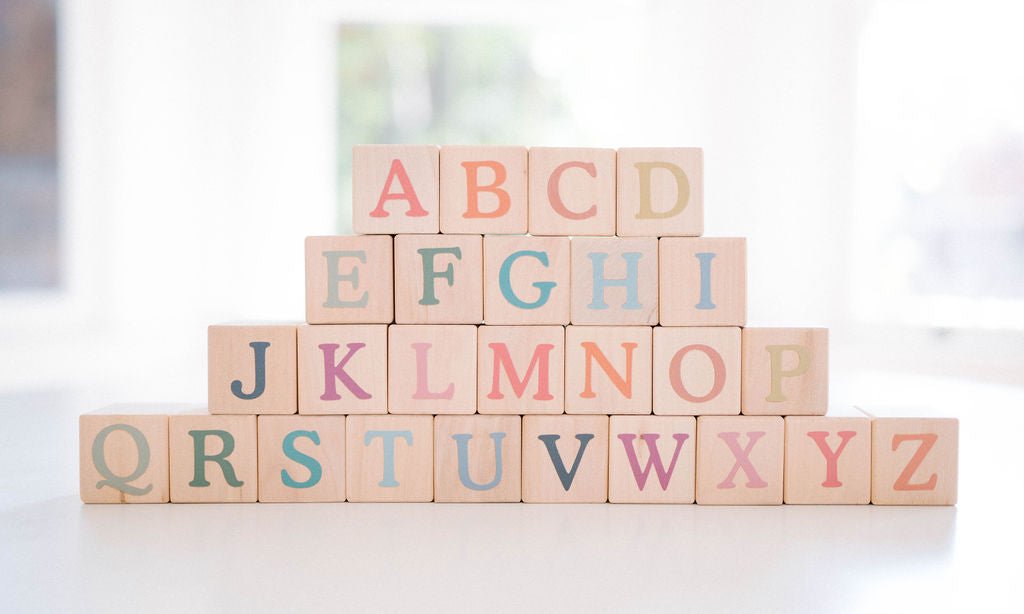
(703, 281)
(483, 189)
(395, 189)
(614, 280)
(123, 454)
(785, 371)
(439, 279)
(572, 191)
(252, 369)
(660, 192)
(213, 458)
(343, 369)
(349, 280)
(526, 280)
(914, 461)
(301, 458)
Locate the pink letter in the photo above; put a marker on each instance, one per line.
(903, 481)
(556, 199)
(422, 385)
(337, 371)
(831, 458)
(651, 439)
(407, 194)
(742, 459)
(676, 379)
(503, 359)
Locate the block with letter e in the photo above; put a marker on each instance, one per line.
(349, 280)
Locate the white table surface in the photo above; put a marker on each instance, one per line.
(59, 555)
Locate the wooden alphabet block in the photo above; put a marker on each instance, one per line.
(343, 369)
(914, 461)
(483, 189)
(431, 369)
(350, 280)
(123, 454)
(526, 280)
(652, 459)
(301, 458)
(828, 460)
(213, 458)
(389, 458)
(252, 369)
(477, 459)
(697, 370)
(614, 280)
(739, 460)
(608, 370)
(703, 281)
(520, 369)
(572, 191)
(439, 279)
(660, 192)
(785, 371)
(395, 189)
(565, 459)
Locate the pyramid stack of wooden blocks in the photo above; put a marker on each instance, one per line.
(450, 356)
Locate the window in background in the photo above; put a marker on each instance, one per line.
(442, 85)
(939, 219)
(29, 213)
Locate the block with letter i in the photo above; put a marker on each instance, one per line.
(520, 369)
(477, 459)
(301, 459)
(389, 458)
(395, 189)
(914, 461)
(572, 191)
(652, 459)
(213, 458)
(343, 369)
(697, 370)
(565, 459)
(607, 369)
(483, 189)
(740, 460)
(614, 280)
(123, 454)
(828, 459)
(660, 192)
(785, 371)
(349, 280)
(439, 279)
(252, 369)
(526, 280)
(703, 281)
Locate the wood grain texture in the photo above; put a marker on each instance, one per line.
(688, 298)
(560, 478)
(697, 370)
(583, 188)
(660, 192)
(740, 460)
(483, 189)
(914, 461)
(614, 280)
(343, 369)
(350, 280)
(431, 369)
(202, 478)
(487, 439)
(520, 369)
(408, 441)
(529, 280)
(314, 440)
(439, 279)
(662, 467)
(618, 359)
(235, 373)
(838, 474)
(375, 174)
(785, 371)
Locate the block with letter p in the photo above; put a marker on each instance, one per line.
(785, 371)
(349, 280)
(395, 189)
(252, 369)
(660, 192)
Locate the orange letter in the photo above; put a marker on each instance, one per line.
(624, 384)
(556, 198)
(473, 189)
(675, 376)
(903, 481)
(407, 194)
(503, 359)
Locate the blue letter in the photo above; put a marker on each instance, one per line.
(315, 470)
(388, 441)
(629, 282)
(259, 350)
(505, 281)
(705, 280)
(462, 443)
(566, 477)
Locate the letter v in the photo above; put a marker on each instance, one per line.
(566, 477)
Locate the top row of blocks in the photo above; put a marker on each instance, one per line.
(547, 191)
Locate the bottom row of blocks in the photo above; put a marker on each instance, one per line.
(726, 460)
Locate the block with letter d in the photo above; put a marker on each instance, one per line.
(660, 192)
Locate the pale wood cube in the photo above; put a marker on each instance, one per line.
(660, 192)
(828, 460)
(740, 460)
(914, 461)
(608, 370)
(439, 279)
(652, 459)
(123, 454)
(395, 189)
(343, 369)
(703, 281)
(614, 280)
(785, 371)
(477, 459)
(565, 459)
(697, 370)
(483, 189)
(526, 280)
(431, 369)
(389, 458)
(350, 280)
(301, 458)
(252, 369)
(520, 369)
(572, 191)
(213, 458)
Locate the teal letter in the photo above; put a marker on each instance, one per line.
(334, 278)
(462, 444)
(388, 441)
(429, 274)
(259, 350)
(201, 458)
(629, 282)
(566, 477)
(505, 280)
(99, 460)
(315, 470)
(705, 280)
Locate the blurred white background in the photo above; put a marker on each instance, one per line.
(873, 153)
